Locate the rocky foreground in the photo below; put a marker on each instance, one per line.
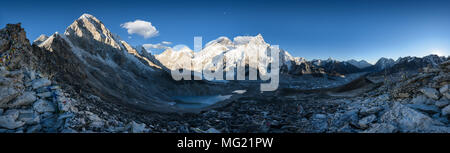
(32, 103)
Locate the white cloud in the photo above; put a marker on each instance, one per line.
(140, 27)
(166, 42)
(157, 46)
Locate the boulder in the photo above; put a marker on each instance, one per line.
(368, 111)
(44, 94)
(42, 106)
(137, 128)
(14, 113)
(447, 95)
(34, 128)
(29, 117)
(7, 94)
(27, 98)
(212, 130)
(444, 89)
(409, 120)
(430, 93)
(441, 103)
(9, 122)
(42, 82)
(430, 109)
(364, 122)
(96, 121)
(446, 110)
(381, 128)
(421, 99)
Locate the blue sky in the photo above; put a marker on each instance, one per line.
(364, 29)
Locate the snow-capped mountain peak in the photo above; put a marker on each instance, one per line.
(243, 40)
(89, 27)
(221, 40)
(383, 63)
(360, 64)
(85, 15)
(40, 39)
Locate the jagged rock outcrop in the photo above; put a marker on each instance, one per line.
(15, 49)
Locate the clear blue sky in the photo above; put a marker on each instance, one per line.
(312, 29)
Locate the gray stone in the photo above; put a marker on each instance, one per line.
(34, 128)
(446, 110)
(7, 94)
(96, 122)
(1, 111)
(25, 99)
(49, 122)
(137, 128)
(409, 120)
(42, 106)
(441, 103)
(183, 129)
(440, 118)
(420, 99)
(212, 130)
(29, 117)
(430, 109)
(381, 128)
(368, 111)
(447, 95)
(351, 117)
(444, 89)
(430, 93)
(9, 122)
(364, 122)
(65, 115)
(14, 113)
(42, 82)
(44, 94)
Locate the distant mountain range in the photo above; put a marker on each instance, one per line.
(88, 54)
